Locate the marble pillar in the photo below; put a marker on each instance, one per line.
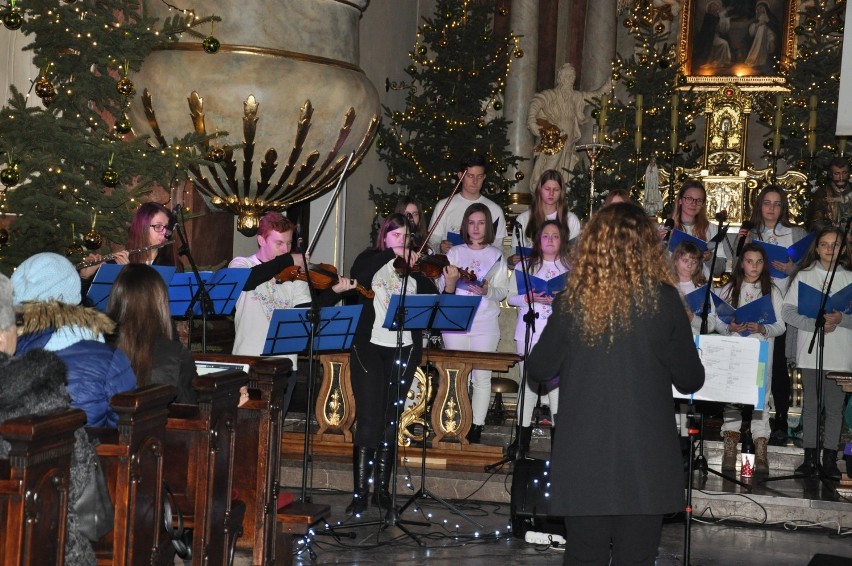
(600, 33)
(520, 88)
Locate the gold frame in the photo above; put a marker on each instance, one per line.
(738, 73)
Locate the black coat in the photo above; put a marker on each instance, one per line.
(34, 384)
(617, 450)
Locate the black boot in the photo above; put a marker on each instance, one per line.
(778, 437)
(362, 471)
(474, 435)
(384, 467)
(523, 441)
(829, 464)
(808, 467)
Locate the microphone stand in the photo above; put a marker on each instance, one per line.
(201, 295)
(719, 237)
(529, 320)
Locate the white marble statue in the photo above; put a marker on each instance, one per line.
(555, 116)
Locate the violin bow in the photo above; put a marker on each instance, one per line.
(440, 214)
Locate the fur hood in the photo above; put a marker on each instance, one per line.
(39, 316)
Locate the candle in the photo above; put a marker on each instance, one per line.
(638, 139)
(675, 101)
(842, 146)
(602, 116)
(595, 131)
(776, 139)
(812, 119)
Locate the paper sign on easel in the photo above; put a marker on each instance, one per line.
(735, 370)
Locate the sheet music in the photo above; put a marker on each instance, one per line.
(735, 370)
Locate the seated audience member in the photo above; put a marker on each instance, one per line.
(34, 383)
(47, 293)
(139, 305)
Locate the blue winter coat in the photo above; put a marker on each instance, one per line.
(96, 372)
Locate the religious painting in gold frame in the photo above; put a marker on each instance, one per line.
(740, 42)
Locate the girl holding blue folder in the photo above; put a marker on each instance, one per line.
(750, 282)
(548, 203)
(548, 261)
(690, 216)
(686, 265)
(770, 219)
(479, 256)
(837, 355)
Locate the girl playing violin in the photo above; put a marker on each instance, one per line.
(488, 264)
(378, 369)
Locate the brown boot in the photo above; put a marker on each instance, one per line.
(729, 458)
(761, 458)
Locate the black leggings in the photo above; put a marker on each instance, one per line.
(780, 377)
(374, 373)
(634, 539)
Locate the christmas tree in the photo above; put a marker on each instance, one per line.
(70, 158)
(457, 75)
(638, 122)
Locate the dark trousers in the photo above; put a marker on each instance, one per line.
(374, 374)
(780, 377)
(634, 539)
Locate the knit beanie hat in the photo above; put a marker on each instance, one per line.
(46, 277)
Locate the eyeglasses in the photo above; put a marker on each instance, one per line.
(158, 228)
(690, 200)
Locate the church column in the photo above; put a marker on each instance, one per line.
(520, 87)
(601, 25)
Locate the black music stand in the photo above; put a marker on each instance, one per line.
(101, 286)
(432, 312)
(291, 331)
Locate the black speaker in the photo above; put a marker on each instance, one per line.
(531, 499)
(829, 560)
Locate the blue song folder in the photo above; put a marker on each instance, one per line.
(539, 285)
(759, 311)
(809, 300)
(678, 236)
(523, 251)
(695, 299)
(779, 253)
(454, 238)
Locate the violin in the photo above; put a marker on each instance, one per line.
(323, 276)
(432, 266)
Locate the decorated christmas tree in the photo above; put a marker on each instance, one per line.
(69, 157)
(457, 76)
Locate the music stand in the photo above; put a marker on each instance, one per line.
(217, 296)
(289, 330)
(433, 312)
(101, 287)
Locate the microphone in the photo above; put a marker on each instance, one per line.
(412, 230)
(722, 216)
(743, 234)
(669, 226)
(174, 217)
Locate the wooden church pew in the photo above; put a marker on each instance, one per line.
(258, 442)
(132, 459)
(34, 485)
(198, 462)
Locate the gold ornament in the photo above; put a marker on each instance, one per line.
(93, 240)
(550, 142)
(519, 176)
(125, 86)
(74, 250)
(518, 53)
(391, 178)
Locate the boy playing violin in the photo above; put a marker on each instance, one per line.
(262, 293)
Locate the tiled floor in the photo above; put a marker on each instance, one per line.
(452, 540)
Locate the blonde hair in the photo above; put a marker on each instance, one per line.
(616, 272)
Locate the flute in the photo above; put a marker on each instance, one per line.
(109, 257)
